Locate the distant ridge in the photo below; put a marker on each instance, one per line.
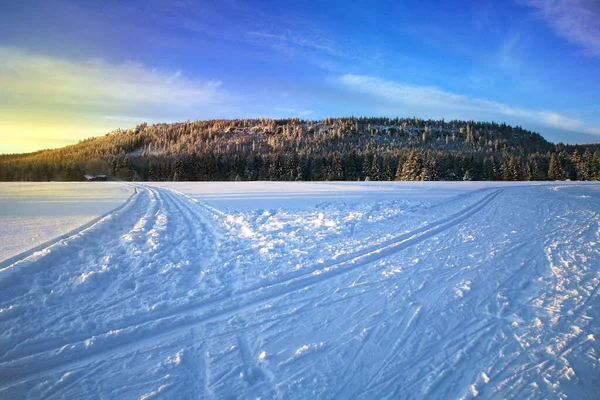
(346, 148)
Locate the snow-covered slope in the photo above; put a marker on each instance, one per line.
(490, 291)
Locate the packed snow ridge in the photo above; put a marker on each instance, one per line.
(312, 291)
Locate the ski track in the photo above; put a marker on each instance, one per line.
(491, 293)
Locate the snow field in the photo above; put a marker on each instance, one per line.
(483, 290)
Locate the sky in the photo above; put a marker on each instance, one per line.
(70, 70)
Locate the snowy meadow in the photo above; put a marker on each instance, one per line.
(297, 290)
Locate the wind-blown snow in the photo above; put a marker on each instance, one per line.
(324, 290)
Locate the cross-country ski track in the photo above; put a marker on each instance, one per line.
(492, 293)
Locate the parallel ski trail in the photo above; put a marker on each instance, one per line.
(144, 329)
(133, 256)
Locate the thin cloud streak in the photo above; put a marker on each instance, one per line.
(573, 20)
(294, 111)
(293, 39)
(41, 82)
(431, 97)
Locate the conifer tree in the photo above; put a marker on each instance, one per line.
(375, 170)
(554, 169)
(388, 175)
(411, 170)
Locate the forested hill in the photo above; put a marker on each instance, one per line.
(330, 149)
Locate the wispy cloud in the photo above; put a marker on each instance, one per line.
(289, 38)
(294, 111)
(248, 24)
(505, 56)
(49, 98)
(95, 86)
(398, 93)
(574, 20)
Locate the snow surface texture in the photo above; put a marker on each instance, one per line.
(32, 214)
(479, 290)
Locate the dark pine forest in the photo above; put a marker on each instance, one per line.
(349, 148)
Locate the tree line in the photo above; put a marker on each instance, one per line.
(349, 148)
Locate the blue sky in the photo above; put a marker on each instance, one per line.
(73, 69)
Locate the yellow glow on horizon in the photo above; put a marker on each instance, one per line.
(27, 141)
(23, 133)
(49, 102)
